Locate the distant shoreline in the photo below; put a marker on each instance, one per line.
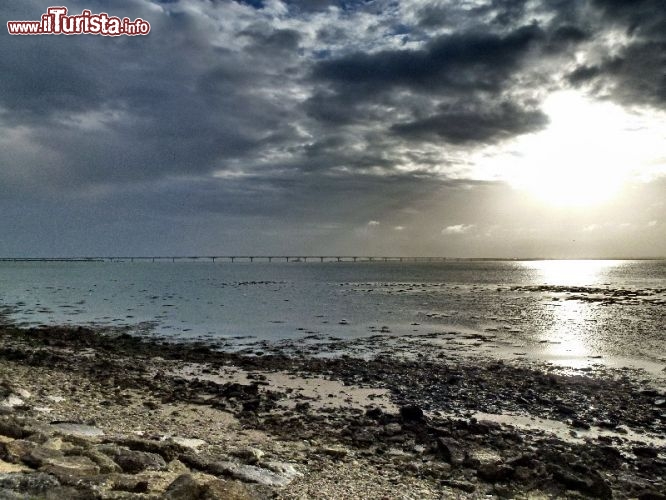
(316, 258)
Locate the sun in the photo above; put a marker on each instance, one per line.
(582, 159)
(587, 153)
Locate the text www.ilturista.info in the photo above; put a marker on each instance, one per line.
(57, 22)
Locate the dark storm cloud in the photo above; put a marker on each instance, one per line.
(469, 71)
(499, 12)
(116, 110)
(267, 109)
(482, 123)
(475, 61)
(634, 73)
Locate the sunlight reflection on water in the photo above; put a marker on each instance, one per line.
(573, 272)
(566, 342)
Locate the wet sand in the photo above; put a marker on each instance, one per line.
(87, 414)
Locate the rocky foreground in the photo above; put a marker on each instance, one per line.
(90, 415)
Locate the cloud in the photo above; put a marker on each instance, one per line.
(457, 229)
(631, 70)
(317, 111)
(473, 60)
(473, 124)
(373, 223)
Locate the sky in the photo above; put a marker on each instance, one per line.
(496, 128)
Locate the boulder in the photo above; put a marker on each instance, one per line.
(71, 466)
(132, 461)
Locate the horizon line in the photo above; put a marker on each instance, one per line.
(295, 257)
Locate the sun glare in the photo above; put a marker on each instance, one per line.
(588, 151)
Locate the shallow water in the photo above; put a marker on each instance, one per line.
(574, 313)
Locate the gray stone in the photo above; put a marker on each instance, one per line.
(184, 487)
(465, 486)
(75, 466)
(168, 450)
(450, 450)
(334, 451)
(32, 484)
(131, 461)
(40, 455)
(106, 465)
(250, 474)
(228, 490)
(645, 451)
(15, 451)
(493, 472)
(411, 413)
(249, 454)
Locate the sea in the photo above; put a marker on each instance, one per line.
(574, 313)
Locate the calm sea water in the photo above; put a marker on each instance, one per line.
(566, 311)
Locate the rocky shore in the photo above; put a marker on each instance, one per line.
(87, 414)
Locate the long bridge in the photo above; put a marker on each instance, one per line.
(231, 258)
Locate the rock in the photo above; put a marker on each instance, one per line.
(131, 461)
(334, 451)
(57, 443)
(189, 443)
(77, 429)
(40, 455)
(438, 470)
(585, 481)
(249, 474)
(227, 490)
(645, 451)
(104, 462)
(483, 427)
(411, 413)
(374, 413)
(168, 450)
(72, 466)
(6, 467)
(494, 472)
(393, 428)
(522, 474)
(450, 451)
(11, 429)
(12, 401)
(284, 469)
(184, 487)
(129, 483)
(249, 454)
(465, 486)
(580, 424)
(15, 451)
(650, 494)
(28, 484)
